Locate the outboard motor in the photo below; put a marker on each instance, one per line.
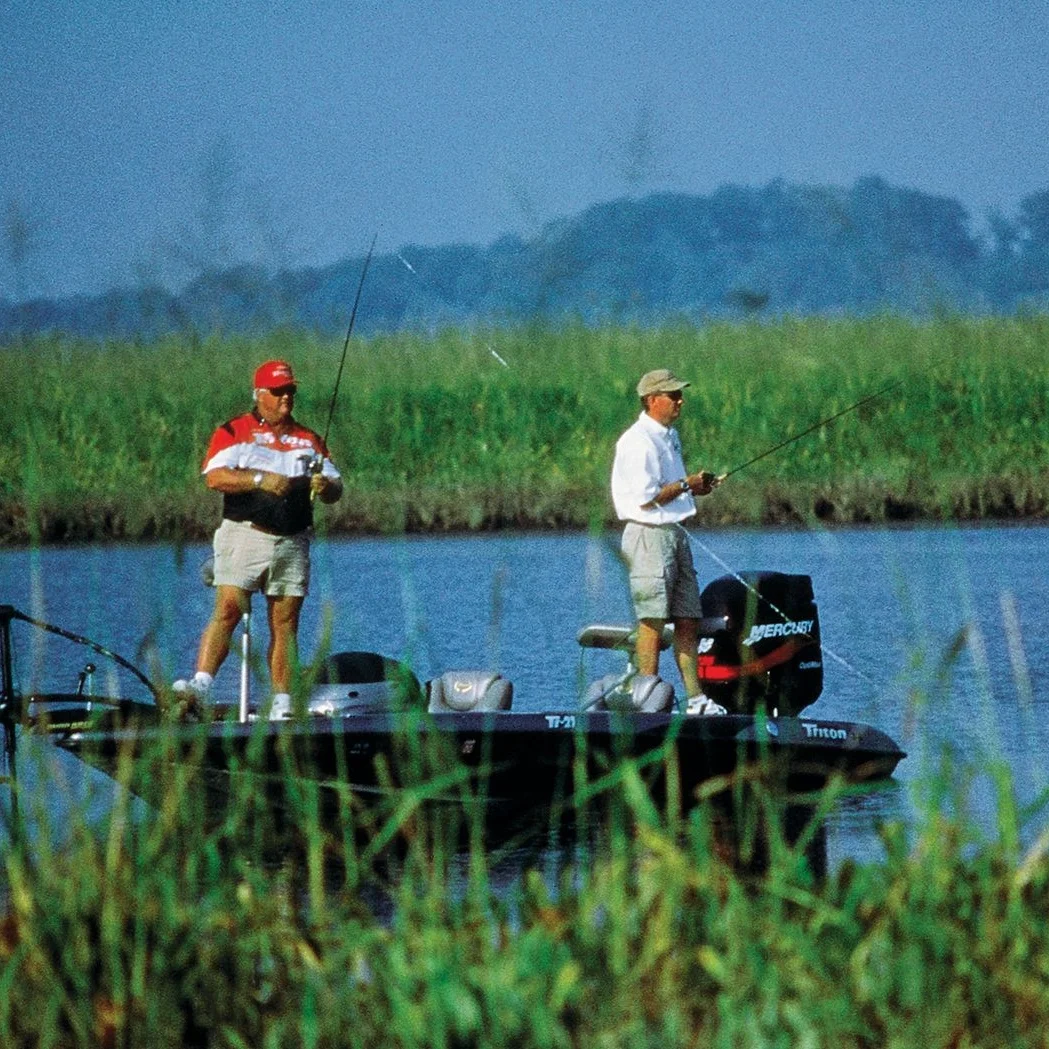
(769, 654)
(360, 682)
(461, 690)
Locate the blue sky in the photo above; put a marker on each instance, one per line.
(141, 139)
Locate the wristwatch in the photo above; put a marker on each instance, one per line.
(257, 479)
(684, 486)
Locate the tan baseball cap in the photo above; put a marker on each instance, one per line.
(662, 380)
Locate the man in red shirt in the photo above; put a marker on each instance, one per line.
(269, 468)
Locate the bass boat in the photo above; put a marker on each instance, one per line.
(367, 723)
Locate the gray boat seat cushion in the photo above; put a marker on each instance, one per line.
(641, 694)
(461, 690)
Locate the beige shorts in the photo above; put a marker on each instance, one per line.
(277, 565)
(663, 580)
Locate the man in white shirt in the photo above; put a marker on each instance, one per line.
(654, 494)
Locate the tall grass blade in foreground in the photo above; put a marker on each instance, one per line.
(256, 924)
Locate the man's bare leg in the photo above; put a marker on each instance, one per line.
(230, 604)
(649, 636)
(686, 633)
(284, 630)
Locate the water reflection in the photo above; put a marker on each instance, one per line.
(740, 834)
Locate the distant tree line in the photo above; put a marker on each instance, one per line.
(741, 251)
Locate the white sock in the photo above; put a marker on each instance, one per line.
(203, 679)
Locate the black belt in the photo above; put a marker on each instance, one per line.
(270, 531)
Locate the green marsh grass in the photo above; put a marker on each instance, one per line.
(709, 926)
(435, 433)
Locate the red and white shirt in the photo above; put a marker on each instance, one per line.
(249, 443)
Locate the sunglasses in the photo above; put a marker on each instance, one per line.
(282, 391)
(674, 395)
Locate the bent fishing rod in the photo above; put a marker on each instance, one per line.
(349, 332)
(815, 426)
(9, 612)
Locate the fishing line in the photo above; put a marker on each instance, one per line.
(415, 273)
(779, 611)
(757, 458)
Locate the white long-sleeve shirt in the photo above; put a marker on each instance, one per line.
(648, 456)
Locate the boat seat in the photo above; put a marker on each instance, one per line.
(359, 668)
(640, 694)
(349, 682)
(461, 690)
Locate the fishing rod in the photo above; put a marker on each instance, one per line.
(349, 332)
(815, 426)
(8, 612)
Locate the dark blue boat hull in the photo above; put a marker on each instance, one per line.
(506, 757)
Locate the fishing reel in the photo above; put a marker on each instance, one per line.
(312, 464)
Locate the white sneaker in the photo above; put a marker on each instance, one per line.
(192, 695)
(280, 706)
(196, 688)
(702, 705)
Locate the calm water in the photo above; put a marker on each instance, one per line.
(892, 603)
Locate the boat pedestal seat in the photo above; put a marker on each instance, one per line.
(640, 693)
(461, 690)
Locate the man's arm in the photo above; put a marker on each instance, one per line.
(702, 483)
(230, 480)
(635, 478)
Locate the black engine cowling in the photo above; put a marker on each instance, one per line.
(769, 656)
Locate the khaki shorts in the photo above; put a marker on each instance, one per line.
(278, 565)
(663, 580)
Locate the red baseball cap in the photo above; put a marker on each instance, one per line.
(273, 375)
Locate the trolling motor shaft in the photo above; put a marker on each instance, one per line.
(245, 665)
